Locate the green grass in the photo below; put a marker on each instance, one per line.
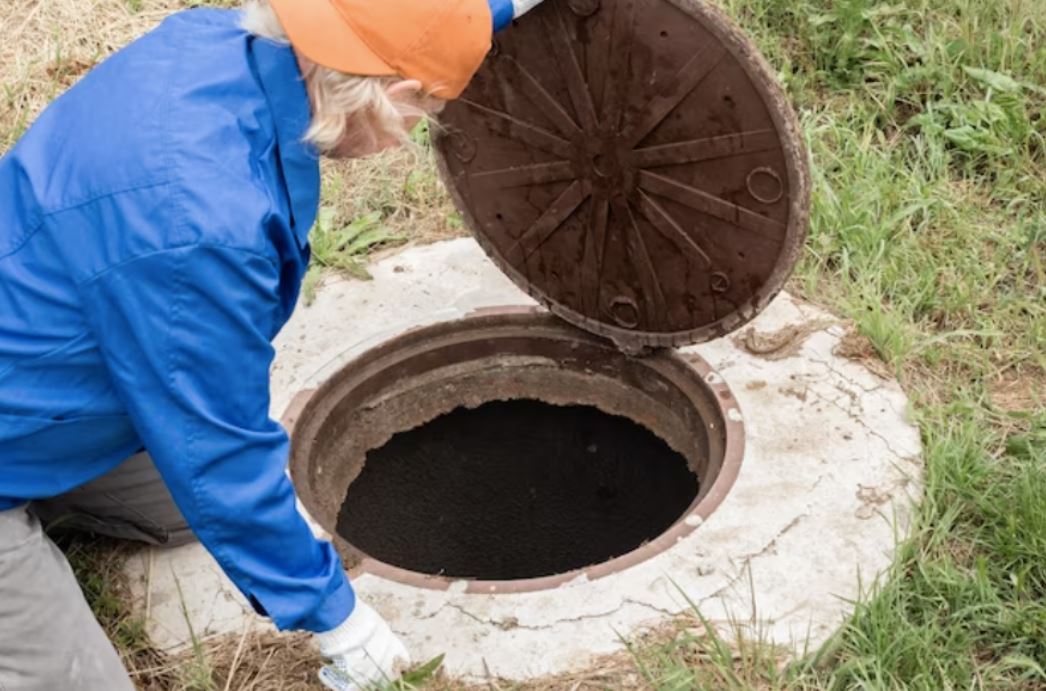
(927, 127)
(927, 124)
(377, 203)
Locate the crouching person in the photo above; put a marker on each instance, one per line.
(153, 237)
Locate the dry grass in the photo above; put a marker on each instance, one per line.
(263, 661)
(251, 661)
(49, 44)
(371, 204)
(260, 662)
(402, 186)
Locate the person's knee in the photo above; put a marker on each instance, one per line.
(49, 639)
(178, 537)
(130, 502)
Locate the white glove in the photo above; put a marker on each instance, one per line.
(364, 652)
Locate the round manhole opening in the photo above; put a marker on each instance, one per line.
(515, 489)
(512, 451)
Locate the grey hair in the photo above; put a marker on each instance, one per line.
(336, 97)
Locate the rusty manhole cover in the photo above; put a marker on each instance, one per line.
(633, 165)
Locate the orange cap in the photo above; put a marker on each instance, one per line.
(440, 43)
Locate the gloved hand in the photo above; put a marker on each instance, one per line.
(505, 11)
(364, 652)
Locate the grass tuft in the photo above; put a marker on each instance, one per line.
(344, 248)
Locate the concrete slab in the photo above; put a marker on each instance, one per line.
(831, 473)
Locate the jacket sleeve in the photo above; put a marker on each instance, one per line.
(185, 335)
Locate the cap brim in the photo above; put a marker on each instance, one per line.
(319, 33)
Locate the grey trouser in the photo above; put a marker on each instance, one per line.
(49, 639)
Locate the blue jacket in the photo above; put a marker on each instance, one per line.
(153, 237)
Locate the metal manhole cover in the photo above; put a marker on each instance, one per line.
(633, 165)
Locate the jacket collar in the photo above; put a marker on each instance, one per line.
(280, 77)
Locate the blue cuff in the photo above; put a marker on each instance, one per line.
(333, 612)
(503, 11)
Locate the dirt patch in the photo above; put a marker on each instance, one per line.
(781, 344)
(873, 499)
(68, 72)
(795, 392)
(1019, 390)
(856, 347)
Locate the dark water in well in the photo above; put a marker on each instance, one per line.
(515, 489)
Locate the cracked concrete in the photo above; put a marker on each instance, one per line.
(829, 479)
